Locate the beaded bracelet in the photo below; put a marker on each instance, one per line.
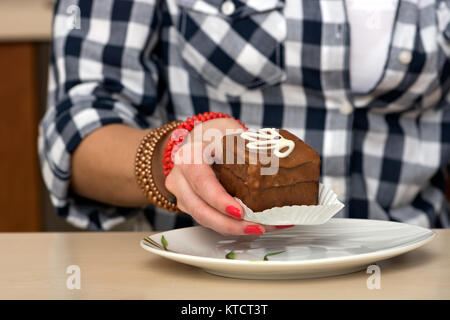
(182, 130)
(143, 166)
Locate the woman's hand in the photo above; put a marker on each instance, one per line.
(197, 189)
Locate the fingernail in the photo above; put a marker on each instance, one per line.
(253, 230)
(284, 227)
(235, 212)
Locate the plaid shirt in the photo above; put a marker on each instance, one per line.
(271, 63)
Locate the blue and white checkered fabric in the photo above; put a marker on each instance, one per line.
(271, 63)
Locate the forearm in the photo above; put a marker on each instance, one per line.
(103, 166)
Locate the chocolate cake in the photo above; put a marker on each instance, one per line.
(294, 169)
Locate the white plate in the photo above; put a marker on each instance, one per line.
(339, 246)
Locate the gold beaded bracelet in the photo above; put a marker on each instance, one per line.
(143, 166)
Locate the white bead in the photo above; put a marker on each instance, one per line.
(228, 7)
(346, 108)
(405, 57)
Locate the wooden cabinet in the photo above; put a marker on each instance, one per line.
(25, 27)
(20, 187)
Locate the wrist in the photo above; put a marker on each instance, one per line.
(194, 128)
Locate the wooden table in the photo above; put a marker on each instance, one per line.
(114, 266)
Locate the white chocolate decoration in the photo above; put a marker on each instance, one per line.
(268, 138)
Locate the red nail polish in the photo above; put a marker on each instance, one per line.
(284, 227)
(253, 230)
(235, 212)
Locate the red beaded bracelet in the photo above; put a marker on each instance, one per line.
(178, 135)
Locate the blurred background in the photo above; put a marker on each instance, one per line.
(25, 34)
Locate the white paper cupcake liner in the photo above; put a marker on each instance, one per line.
(328, 206)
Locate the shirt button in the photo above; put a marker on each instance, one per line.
(346, 108)
(405, 56)
(228, 7)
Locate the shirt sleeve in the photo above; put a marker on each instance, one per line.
(431, 200)
(103, 70)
